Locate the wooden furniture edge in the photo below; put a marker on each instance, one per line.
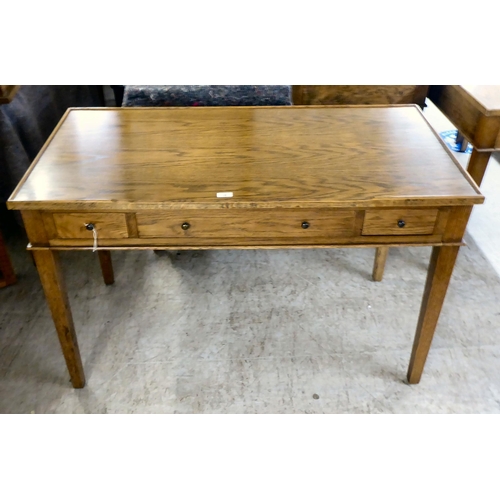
(452, 156)
(31, 248)
(37, 157)
(126, 206)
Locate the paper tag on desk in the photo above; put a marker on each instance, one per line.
(226, 194)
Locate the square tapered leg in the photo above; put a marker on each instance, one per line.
(438, 278)
(49, 269)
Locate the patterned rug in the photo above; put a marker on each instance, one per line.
(450, 138)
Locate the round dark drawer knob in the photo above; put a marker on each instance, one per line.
(401, 223)
(90, 227)
(185, 225)
(305, 225)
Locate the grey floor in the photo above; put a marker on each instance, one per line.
(298, 331)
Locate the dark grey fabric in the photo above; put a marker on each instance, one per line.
(207, 95)
(27, 122)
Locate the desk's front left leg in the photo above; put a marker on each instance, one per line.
(49, 269)
(438, 278)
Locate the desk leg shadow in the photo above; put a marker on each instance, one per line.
(7, 275)
(106, 266)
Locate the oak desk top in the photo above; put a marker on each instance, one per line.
(268, 157)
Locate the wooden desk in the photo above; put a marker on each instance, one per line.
(475, 111)
(266, 177)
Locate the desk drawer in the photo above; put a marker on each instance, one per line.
(399, 221)
(255, 223)
(72, 225)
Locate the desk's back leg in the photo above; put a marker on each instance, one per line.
(47, 263)
(379, 264)
(106, 266)
(438, 278)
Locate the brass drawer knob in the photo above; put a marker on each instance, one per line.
(90, 227)
(401, 223)
(185, 225)
(305, 225)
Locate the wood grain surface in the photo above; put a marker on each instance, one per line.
(289, 157)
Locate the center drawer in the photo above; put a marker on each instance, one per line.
(256, 223)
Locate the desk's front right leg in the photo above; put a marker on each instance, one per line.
(49, 269)
(438, 277)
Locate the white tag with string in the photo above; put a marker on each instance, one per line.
(94, 232)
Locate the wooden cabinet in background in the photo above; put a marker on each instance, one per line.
(359, 94)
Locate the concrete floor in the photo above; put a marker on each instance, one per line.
(258, 331)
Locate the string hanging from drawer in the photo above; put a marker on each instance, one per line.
(91, 227)
(94, 232)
